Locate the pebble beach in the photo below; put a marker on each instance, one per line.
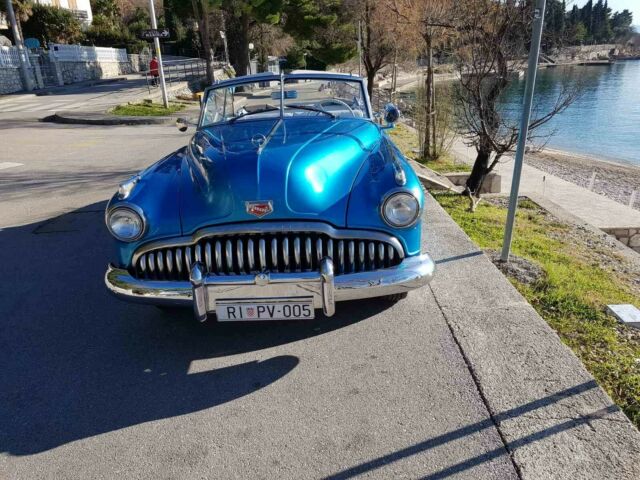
(616, 181)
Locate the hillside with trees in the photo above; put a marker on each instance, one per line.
(593, 23)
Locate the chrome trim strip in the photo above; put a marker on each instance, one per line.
(328, 287)
(196, 277)
(296, 252)
(218, 256)
(274, 252)
(179, 259)
(269, 228)
(207, 256)
(169, 257)
(188, 259)
(352, 256)
(228, 252)
(240, 254)
(160, 260)
(262, 253)
(285, 252)
(307, 251)
(412, 273)
(251, 254)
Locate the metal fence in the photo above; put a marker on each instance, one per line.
(180, 71)
(9, 57)
(79, 53)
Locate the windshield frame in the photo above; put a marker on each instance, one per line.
(268, 76)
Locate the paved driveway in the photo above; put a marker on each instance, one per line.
(96, 388)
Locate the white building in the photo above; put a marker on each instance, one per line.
(80, 8)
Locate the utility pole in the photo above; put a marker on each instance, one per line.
(156, 43)
(25, 72)
(532, 68)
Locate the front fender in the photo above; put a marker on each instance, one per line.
(157, 194)
(374, 181)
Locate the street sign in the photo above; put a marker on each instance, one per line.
(154, 33)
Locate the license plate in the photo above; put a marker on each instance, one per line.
(260, 309)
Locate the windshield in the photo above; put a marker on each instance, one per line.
(302, 97)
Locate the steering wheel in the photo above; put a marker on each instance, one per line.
(339, 102)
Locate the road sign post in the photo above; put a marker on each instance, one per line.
(532, 67)
(156, 42)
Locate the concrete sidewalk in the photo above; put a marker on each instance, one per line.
(590, 207)
(554, 420)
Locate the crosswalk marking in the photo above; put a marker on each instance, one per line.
(48, 106)
(5, 165)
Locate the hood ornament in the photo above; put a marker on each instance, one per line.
(260, 208)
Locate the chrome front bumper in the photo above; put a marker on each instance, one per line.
(326, 288)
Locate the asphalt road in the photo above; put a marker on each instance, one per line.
(81, 97)
(96, 388)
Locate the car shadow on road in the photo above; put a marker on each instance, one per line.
(76, 362)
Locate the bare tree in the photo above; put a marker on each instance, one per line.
(432, 20)
(491, 48)
(202, 12)
(377, 24)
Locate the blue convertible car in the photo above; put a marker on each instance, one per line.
(288, 198)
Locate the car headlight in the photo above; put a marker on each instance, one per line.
(125, 224)
(400, 209)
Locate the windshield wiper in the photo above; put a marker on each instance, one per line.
(261, 110)
(311, 109)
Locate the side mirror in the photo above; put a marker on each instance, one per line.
(391, 115)
(183, 124)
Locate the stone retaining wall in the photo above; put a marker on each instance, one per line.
(73, 72)
(628, 236)
(492, 182)
(139, 62)
(10, 80)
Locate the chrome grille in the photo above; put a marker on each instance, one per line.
(245, 253)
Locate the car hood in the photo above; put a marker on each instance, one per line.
(304, 166)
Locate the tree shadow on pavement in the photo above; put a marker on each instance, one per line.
(488, 423)
(76, 362)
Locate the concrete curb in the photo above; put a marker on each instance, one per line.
(86, 118)
(555, 421)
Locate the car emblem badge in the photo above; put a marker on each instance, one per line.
(259, 209)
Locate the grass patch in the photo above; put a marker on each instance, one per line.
(578, 281)
(447, 164)
(146, 109)
(407, 141)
